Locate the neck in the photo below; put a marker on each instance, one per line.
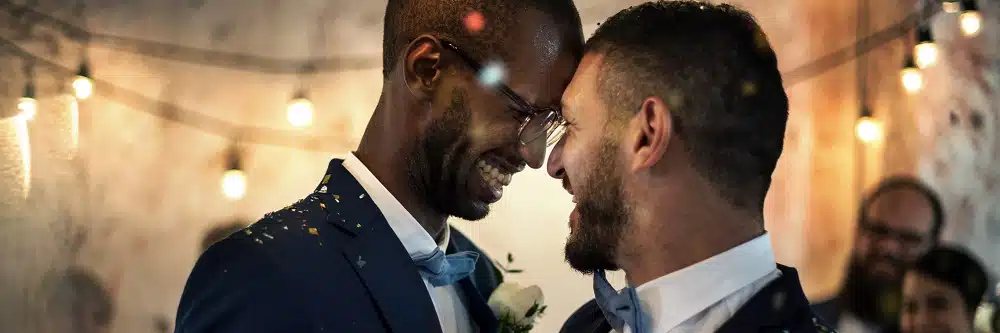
(383, 154)
(691, 225)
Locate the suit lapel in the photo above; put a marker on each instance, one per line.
(376, 254)
(478, 308)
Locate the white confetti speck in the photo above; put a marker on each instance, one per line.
(492, 74)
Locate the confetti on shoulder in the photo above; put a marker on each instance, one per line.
(314, 231)
(362, 196)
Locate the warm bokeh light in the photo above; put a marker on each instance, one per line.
(83, 87)
(971, 22)
(951, 6)
(300, 112)
(474, 22)
(912, 79)
(15, 147)
(868, 130)
(28, 107)
(925, 54)
(234, 184)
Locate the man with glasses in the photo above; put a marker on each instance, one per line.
(469, 98)
(900, 220)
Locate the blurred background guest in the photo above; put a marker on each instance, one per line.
(942, 291)
(76, 302)
(897, 222)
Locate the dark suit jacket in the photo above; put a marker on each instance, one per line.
(831, 311)
(759, 314)
(328, 263)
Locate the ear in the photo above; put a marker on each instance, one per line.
(652, 130)
(422, 65)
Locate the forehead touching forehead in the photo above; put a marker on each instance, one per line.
(541, 56)
(582, 91)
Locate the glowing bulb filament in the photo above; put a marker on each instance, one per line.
(28, 107)
(300, 112)
(234, 184)
(912, 79)
(971, 22)
(83, 87)
(868, 130)
(926, 54)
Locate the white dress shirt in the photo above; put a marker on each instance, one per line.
(702, 297)
(447, 300)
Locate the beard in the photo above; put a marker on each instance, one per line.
(435, 169)
(603, 214)
(871, 298)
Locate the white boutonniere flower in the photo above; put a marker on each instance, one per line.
(515, 306)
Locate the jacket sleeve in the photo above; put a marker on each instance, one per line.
(236, 286)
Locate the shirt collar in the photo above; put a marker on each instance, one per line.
(414, 237)
(674, 298)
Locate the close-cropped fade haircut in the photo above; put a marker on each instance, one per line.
(715, 70)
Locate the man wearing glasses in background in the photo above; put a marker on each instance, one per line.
(900, 220)
(468, 99)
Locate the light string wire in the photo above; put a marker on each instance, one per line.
(292, 139)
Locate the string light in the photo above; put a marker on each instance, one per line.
(925, 51)
(83, 85)
(27, 104)
(951, 6)
(234, 180)
(868, 129)
(300, 110)
(970, 20)
(911, 77)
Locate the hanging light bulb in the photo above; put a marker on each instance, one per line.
(950, 6)
(27, 104)
(868, 129)
(925, 50)
(234, 180)
(300, 110)
(911, 77)
(970, 20)
(83, 84)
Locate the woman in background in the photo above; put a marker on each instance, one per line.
(941, 292)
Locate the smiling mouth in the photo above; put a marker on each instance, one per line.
(494, 176)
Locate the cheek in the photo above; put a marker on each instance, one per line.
(491, 123)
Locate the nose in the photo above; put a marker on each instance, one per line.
(555, 165)
(533, 152)
(889, 245)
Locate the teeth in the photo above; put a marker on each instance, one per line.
(493, 176)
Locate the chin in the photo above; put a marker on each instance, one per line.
(588, 257)
(460, 202)
(470, 211)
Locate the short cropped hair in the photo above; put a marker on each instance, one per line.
(77, 293)
(715, 70)
(957, 268)
(914, 184)
(405, 20)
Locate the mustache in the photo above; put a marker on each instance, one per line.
(893, 260)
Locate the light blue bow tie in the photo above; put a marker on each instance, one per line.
(441, 270)
(619, 308)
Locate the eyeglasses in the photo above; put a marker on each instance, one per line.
(907, 238)
(536, 122)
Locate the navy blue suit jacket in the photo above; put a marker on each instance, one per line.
(781, 307)
(328, 263)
